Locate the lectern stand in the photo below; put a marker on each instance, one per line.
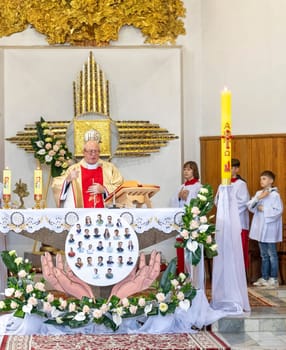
(132, 194)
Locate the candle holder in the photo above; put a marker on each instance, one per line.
(38, 199)
(6, 201)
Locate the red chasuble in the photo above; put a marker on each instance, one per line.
(89, 177)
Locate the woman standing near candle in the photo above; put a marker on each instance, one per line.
(190, 188)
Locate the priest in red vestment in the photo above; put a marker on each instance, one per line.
(86, 183)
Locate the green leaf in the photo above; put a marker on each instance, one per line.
(19, 313)
(196, 256)
(171, 269)
(109, 323)
(9, 261)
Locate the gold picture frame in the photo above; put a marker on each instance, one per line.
(81, 127)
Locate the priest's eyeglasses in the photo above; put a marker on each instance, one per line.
(91, 151)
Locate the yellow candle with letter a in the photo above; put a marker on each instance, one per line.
(38, 182)
(226, 137)
(6, 181)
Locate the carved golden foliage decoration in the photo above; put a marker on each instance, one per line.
(94, 22)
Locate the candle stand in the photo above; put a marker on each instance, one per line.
(6, 201)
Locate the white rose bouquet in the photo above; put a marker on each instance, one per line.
(197, 226)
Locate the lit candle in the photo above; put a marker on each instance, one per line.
(226, 137)
(7, 181)
(38, 182)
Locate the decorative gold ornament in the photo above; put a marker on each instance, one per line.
(94, 22)
(118, 138)
(22, 191)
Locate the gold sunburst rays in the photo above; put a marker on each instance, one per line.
(91, 111)
(135, 138)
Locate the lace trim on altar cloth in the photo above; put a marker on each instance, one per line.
(59, 220)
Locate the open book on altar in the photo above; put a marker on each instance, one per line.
(132, 193)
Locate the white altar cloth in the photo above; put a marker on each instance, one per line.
(61, 219)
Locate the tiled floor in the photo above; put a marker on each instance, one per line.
(264, 328)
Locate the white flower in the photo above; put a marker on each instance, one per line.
(97, 314)
(203, 228)
(204, 190)
(27, 308)
(119, 310)
(40, 286)
(41, 152)
(203, 219)
(48, 158)
(195, 211)
(59, 320)
(185, 234)
(163, 307)
(12, 252)
(72, 307)
(18, 293)
(22, 274)
(47, 307)
(182, 276)
(160, 297)
(184, 304)
(209, 239)
(141, 302)
(117, 319)
(202, 198)
(18, 261)
(9, 292)
(192, 245)
(213, 247)
(29, 288)
(194, 235)
(2, 304)
(148, 309)
(181, 296)
(125, 302)
(85, 309)
(80, 316)
(174, 283)
(14, 305)
(55, 148)
(133, 309)
(63, 304)
(55, 312)
(194, 224)
(40, 144)
(104, 308)
(32, 301)
(50, 298)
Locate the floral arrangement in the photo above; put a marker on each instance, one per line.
(94, 22)
(51, 150)
(197, 227)
(25, 296)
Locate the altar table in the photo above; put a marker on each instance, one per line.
(50, 226)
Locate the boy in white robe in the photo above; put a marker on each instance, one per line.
(266, 228)
(242, 197)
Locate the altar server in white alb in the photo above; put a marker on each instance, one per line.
(88, 182)
(266, 228)
(190, 188)
(242, 198)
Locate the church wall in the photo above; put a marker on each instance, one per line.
(243, 49)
